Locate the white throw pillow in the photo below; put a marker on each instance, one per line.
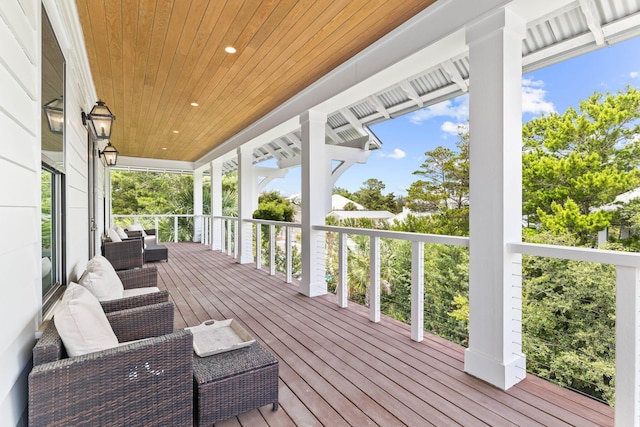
(121, 232)
(136, 227)
(82, 324)
(102, 280)
(114, 236)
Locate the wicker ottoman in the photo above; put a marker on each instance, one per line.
(228, 384)
(155, 252)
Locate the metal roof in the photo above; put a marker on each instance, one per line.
(578, 27)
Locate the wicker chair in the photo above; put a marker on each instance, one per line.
(137, 278)
(124, 255)
(146, 382)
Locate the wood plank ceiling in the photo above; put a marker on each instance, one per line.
(151, 59)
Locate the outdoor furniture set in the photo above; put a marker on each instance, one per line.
(110, 356)
(132, 247)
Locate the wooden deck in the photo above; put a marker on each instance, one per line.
(337, 368)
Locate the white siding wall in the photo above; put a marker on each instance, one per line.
(20, 107)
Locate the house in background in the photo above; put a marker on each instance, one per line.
(307, 80)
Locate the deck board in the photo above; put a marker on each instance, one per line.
(338, 368)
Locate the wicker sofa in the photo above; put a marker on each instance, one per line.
(137, 278)
(147, 382)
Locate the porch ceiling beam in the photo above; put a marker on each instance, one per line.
(406, 87)
(614, 32)
(353, 120)
(455, 75)
(333, 134)
(377, 104)
(590, 11)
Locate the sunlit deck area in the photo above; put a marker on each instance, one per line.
(338, 368)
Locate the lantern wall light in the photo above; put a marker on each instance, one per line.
(100, 120)
(54, 111)
(110, 154)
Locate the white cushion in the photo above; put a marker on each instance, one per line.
(102, 280)
(114, 236)
(136, 227)
(139, 291)
(121, 232)
(82, 324)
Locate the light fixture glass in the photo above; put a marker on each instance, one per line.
(194, 104)
(55, 115)
(110, 154)
(230, 49)
(176, 131)
(100, 120)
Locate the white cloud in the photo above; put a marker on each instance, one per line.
(457, 109)
(454, 128)
(397, 154)
(533, 96)
(634, 74)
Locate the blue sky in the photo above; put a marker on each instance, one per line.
(552, 89)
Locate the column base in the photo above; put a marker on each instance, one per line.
(313, 290)
(496, 373)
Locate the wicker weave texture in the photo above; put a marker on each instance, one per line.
(124, 255)
(228, 384)
(143, 383)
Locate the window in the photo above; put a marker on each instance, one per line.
(51, 190)
(52, 174)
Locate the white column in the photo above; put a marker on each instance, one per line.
(314, 189)
(495, 139)
(247, 204)
(197, 205)
(627, 347)
(216, 204)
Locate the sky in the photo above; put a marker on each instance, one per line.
(551, 89)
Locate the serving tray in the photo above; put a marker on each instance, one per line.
(217, 336)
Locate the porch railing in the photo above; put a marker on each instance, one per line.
(627, 265)
(175, 231)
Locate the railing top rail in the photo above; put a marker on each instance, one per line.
(277, 223)
(151, 215)
(400, 235)
(625, 259)
(225, 217)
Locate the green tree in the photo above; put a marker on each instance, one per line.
(445, 179)
(370, 196)
(580, 160)
(272, 206)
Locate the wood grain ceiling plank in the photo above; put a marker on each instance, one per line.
(283, 9)
(85, 22)
(161, 18)
(197, 56)
(212, 57)
(313, 18)
(113, 23)
(129, 11)
(170, 62)
(173, 90)
(143, 34)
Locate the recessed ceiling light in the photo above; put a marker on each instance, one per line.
(230, 49)
(194, 104)
(164, 148)
(176, 131)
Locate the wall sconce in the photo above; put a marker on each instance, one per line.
(54, 111)
(110, 154)
(100, 119)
